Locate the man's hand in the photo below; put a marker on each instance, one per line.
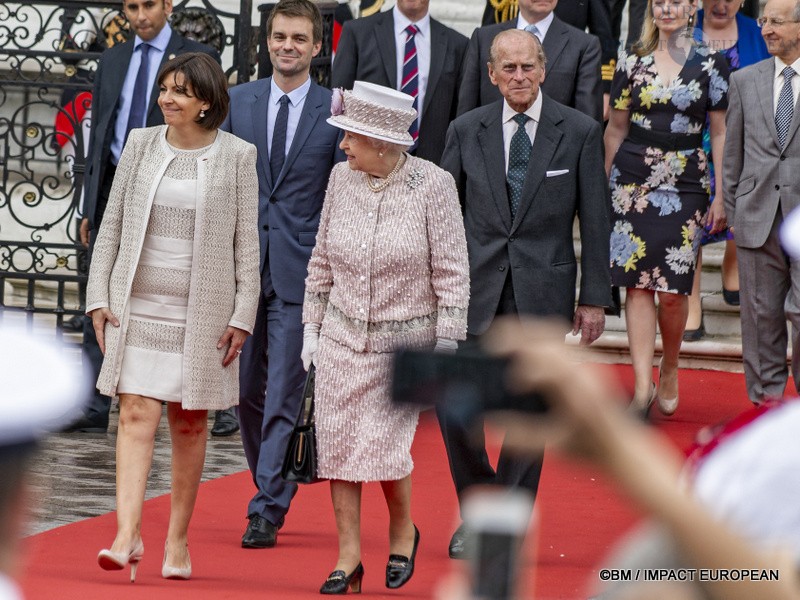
(84, 232)
(590, 321)
(99, 317)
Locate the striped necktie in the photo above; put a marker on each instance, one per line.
(410, 82)
(785, 110)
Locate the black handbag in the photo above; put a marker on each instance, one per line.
(300, 460)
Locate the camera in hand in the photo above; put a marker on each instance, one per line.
(465, 384)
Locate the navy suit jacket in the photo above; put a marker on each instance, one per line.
(108, 82)
(288, 208)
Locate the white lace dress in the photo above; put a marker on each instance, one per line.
(152, 362)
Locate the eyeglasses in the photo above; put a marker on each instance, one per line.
(764, 21)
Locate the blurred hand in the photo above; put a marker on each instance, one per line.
(99, 317)
(234, 338)
(84, 232)
(590, 321)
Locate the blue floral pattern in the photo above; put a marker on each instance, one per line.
(660, 196)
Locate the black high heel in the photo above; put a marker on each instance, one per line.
(338, 582)
(400, 568)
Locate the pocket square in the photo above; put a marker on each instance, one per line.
(556, 173)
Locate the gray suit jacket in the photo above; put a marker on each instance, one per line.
(537, 248)
(108, 82)
(288, 208)
(759, 177)
(572, 73)
(366, 52)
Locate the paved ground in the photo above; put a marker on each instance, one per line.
(74, 472)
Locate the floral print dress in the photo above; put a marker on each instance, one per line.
(659, 197)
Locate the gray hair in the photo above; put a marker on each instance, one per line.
(521, 35)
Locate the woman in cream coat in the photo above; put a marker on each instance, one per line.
(173, 290)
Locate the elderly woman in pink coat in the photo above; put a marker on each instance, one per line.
(389, 270)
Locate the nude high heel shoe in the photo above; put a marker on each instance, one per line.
(667, 406)
(169, 572)
(116, 561)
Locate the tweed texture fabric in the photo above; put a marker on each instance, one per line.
(224, 283)
(389, 270)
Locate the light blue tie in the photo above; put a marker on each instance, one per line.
(532, 29)
(785, 110)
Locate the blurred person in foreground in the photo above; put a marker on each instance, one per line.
(389, 271)
(711, 516)
(172, 292)
(40, 393)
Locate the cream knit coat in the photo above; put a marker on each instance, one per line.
(225, 282)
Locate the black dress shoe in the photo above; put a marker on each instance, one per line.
(225, 423)
(260, 533)
(338, 581)
(461, 544)
(400, 568)
(730, 296)
(87, 425)
(695, 335)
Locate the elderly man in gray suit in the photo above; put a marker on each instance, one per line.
(573, 57)
(761, 186)
(525, 167)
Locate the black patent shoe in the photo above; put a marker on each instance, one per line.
(400, 568)
(338, 582)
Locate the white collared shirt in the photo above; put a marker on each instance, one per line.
(158, 45)
(543, 26)
(510, 126)
(297, 99)
(778, 82)
(423, 43)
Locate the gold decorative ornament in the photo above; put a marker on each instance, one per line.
(62, 262)
(70, 71)
(504, 10)
(29, 198)
(32, 131)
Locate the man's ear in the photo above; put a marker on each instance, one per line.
(491, 73)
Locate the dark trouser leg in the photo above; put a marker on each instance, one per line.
(97, 405)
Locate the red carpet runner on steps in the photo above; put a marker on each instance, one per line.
(580, 516)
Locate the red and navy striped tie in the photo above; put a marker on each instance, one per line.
(410, 82)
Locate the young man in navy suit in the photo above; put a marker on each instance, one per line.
(285, 117)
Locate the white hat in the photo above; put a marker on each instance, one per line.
(375, 111)
(41, 390)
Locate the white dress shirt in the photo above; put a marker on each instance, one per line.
(510, 126)
(297, 99)
(423, 43)
(542, 25)
(158, 45)
(778, 83)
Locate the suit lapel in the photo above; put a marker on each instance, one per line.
(766, 83)
(384, 35)
(308, 119)
(490, 139)
(438, 54)
(259, 120)
(548, 137)
(555, 41)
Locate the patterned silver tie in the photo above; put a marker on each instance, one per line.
(534, 30)
(785, 110)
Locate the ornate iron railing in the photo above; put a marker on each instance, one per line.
(48, 56)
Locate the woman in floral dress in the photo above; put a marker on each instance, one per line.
(661, 95)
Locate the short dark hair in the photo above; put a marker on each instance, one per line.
(305, 9)
(204, 75)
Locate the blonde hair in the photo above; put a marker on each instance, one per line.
(648, 38)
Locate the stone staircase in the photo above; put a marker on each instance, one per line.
(720, 349)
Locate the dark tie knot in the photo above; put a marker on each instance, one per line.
(283, 100)
(144, 47)
(411, 31)
(520, 119)
(788, 73)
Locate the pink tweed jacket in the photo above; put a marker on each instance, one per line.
(390, 269)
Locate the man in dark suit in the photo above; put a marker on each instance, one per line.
(573, 61)
(525, 168)
(285, 117)
(118, 105)
(373, 49)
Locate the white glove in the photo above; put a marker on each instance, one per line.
(445, 346)
(310, 342)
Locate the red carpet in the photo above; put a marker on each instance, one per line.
(580, 517)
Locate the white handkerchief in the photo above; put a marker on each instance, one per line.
(557, 173)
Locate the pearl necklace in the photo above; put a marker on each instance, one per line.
(379, 187)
